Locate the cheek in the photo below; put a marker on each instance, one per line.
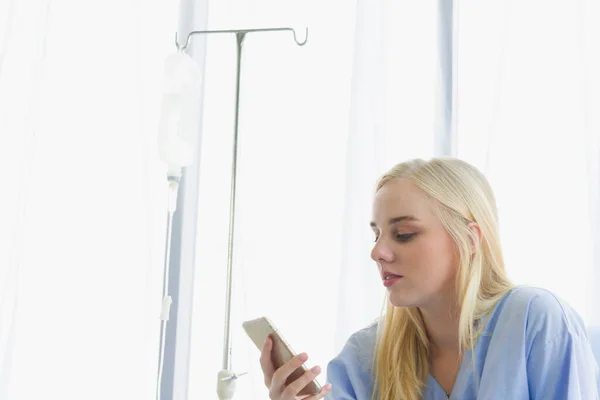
(435, 257)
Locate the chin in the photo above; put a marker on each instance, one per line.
(403, 299)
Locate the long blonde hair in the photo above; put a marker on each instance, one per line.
(461, 195)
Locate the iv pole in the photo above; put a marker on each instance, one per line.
(226, 379)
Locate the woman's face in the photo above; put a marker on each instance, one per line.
(413, 245)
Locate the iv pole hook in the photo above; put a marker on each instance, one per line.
(242, 31)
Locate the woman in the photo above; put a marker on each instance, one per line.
(455, 326)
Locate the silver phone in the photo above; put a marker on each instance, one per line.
(258, 330)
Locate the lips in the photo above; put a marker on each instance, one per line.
(391, 280)
(388, 275)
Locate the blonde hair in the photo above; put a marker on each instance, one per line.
(461, 195)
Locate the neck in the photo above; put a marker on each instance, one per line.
(441, 324)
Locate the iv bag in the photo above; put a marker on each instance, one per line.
(179, 126)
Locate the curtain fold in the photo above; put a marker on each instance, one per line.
(526, 115)
(589, 12)
(83, 199)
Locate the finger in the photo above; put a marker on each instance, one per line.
(266, 363)
(281, 375)
(326, 389)
(295, 387)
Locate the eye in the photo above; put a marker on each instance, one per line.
(376, 238)
(405, 238)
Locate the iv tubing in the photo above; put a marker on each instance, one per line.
(166, 302)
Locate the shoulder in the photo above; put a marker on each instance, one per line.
(538, 312)
(367, 334)
(361, 344)
(544, 340)
(358, 351)
(542, 306)
(351, 372)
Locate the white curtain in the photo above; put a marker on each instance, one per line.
(83, 199)
(527, 97)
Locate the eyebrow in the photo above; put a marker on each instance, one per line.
(396, 219)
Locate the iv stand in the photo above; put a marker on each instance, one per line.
(226, 380)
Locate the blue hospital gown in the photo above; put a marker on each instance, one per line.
(533, 346)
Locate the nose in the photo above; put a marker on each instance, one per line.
(382, 252)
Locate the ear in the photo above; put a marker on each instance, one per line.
(474, 227)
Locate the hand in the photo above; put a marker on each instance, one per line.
(275, 380)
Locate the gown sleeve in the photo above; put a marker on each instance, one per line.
(560, 362)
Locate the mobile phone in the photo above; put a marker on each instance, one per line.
(258, 330)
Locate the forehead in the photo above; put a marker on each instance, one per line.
(401, 197)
